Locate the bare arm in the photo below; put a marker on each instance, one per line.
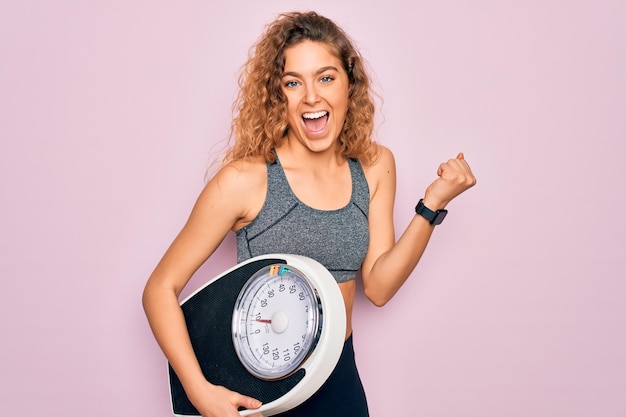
(223, 204)
(388, 263)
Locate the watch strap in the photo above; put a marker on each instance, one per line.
(433, 217)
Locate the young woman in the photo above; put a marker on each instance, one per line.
(303, 176)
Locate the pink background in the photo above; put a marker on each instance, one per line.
(108, 114)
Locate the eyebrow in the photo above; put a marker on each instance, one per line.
(319, 71)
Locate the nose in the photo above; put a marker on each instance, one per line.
(311, 95)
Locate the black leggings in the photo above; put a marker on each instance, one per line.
(341, 395)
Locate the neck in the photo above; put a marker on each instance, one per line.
(293, 154)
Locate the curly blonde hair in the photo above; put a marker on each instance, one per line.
(260, 117)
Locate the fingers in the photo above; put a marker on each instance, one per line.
(452, 167)
(451, 163)
(457, 170)
(455, 176)
(220, 401)
(459, 162)
(247, 402)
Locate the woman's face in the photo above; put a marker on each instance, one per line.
(316, 87)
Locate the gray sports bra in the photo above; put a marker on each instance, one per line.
(338, 239)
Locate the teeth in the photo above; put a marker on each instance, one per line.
(315, 115)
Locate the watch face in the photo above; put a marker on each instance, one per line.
(276, 322)
(439, 216)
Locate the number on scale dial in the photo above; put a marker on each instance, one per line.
(276, 321)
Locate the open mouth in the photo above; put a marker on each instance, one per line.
(315, 122)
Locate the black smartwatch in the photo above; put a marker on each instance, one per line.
(434, 217)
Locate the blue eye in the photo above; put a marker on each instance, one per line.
(326, 79)
(291, 84)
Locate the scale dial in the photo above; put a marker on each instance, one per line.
(276, 321)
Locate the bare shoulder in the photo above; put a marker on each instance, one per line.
(382, 171)
(240, 185)
(240, 175)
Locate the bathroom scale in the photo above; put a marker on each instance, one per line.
(272, 328)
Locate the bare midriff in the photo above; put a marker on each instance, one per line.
(348, 289)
